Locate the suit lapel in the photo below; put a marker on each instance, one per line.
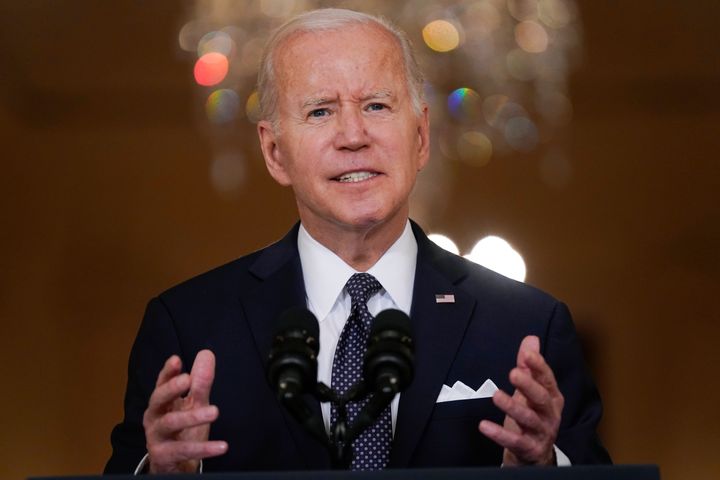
(281, 287)
(438, 330)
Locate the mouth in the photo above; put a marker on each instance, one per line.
(354, 177)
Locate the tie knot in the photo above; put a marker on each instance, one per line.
(361, 287)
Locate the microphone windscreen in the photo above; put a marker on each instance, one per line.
(391, 319)
(297, 318)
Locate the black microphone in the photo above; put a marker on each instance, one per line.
(387, 366)
(292, 362)
(388, 363)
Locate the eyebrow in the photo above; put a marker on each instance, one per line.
(385, 93)
(313, 102)
(316, 101)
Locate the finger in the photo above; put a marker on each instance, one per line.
(167, 393)
(174, 422)
(523, 416)
(535, 393)
(172, 367)
(202, 376)
(515, 442)
(169, 453)
(529, 344)
(541, 371)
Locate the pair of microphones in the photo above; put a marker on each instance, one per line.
(292, 373)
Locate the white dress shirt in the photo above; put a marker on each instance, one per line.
(325, 275)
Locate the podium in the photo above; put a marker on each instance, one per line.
(581, 472)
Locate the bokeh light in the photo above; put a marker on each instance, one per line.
(444, 242)
(498, 109)
(523, 10)
(483, 16)
(554, 13)
(216, 41)
(531, 37)
(498, 255)
(252, 107)
(464, 104)
(190, 34)
(521, 134)
(474, 148)
(441, 36)
(222, 106)
(211, 69)
(492, 106)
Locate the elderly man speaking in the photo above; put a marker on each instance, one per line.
(499, 376)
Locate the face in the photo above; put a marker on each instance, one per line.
(348, 141)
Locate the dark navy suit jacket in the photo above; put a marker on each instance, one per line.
(231, 311)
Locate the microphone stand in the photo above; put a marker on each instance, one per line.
(339, 443)
(342, 434)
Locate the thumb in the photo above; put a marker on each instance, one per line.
(202, 376)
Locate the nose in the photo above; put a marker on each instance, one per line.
(351, 132)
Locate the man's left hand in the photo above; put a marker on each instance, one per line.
(532, 414)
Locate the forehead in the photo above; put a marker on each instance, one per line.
(354, 58)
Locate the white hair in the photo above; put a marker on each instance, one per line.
(328, 19)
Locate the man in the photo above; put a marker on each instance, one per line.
(344, 124)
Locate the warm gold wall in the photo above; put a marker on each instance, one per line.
(105, 201)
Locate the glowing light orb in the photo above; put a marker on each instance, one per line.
(531, 37)
(474, 148)
(441, 36)
(464, 103)
(222, 106)
(521, 134)
(554, 13)
(498, 255)
(219, 42)
(523, 9)
(444, 242)
(211, 69)
(252, 107)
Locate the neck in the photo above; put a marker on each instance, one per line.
(359, 247)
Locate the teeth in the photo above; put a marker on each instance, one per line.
(356, 177)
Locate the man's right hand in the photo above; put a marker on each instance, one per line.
(176, 426)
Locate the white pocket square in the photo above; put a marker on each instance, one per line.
(460, 391)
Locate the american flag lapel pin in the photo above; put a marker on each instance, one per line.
(444, 298)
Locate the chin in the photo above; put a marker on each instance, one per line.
(371, 219)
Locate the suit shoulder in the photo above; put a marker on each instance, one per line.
(513, 306)
(496, 291)
(224, 280)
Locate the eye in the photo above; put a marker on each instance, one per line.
(376, 107)
(319, 113)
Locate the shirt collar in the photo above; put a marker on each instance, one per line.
(325, 274)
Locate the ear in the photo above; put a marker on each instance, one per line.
(271, 153)
(423, 131)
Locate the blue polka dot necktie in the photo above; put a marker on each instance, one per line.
(372, 448)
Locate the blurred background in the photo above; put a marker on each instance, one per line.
(583, 133)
